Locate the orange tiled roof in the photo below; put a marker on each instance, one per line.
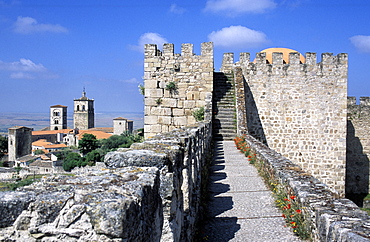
(51, 146)
(41, 142)
(98, 134)
(58, 106)
(45, 132)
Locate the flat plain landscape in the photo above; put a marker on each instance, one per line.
(38, 121)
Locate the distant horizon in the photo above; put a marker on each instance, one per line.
(40, 120)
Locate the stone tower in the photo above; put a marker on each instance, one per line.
(19, 142)
(83, 114)
(122, 125)
(58, 117)
(175, 86)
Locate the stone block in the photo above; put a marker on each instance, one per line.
(178, 112)
(169, 102)
(180, 121)
(150, 119)
(160, 111)
(189, 104)
(153, 93)
(167, 120)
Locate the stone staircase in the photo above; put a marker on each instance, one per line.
(224, 123)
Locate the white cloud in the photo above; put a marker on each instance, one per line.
(236, 37)
(176, 9)
(235, 7)
(361, 42)
(26, 69)
(149, 38)
(28, 25)
(22, 65)
(22, 75)
(131, 80)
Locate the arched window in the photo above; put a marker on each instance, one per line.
(83, 107)
(55, 128)
(56, 113)
(78, 107)
(56, 121)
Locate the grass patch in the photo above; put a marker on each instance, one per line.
(366, 210)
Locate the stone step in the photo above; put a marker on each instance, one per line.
(225, 111)
(224, 131)
(223, 137)
(230, 122)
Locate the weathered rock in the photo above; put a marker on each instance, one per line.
(95, 204)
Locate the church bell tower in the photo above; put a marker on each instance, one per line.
(83, 114)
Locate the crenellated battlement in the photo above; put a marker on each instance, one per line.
(294, 64)
(364, 101)
(186, 50)
(294, 58)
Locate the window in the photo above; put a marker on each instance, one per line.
(83, 107)
(56, 121)
(56, 113)
(78, 107)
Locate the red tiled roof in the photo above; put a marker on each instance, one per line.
(98, 134)
(45, 132)
(58, 106)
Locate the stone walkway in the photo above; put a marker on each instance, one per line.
(240, 207)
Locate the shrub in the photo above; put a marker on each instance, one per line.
(172, 87)
(198, 114)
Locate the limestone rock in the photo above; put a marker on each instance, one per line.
(96, 205)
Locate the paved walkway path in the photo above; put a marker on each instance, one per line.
(240, 206)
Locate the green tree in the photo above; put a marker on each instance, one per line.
(88, 143)
(94, 156)
(72, 160)
(3, 146)
(39, 152)
(124, 140)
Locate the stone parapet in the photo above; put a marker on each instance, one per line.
(182, 158)
(332, 218)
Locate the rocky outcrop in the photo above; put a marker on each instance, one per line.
(92, 204)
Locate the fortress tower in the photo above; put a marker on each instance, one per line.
(175, 86)
(58, 117)
(19, 142)
(83, 114)
(122, 125)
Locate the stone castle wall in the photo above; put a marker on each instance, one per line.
(299, 110)
(193, 76)
(358, 146)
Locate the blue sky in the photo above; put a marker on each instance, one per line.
(50, 50)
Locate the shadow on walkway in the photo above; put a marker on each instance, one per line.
(218, 228)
